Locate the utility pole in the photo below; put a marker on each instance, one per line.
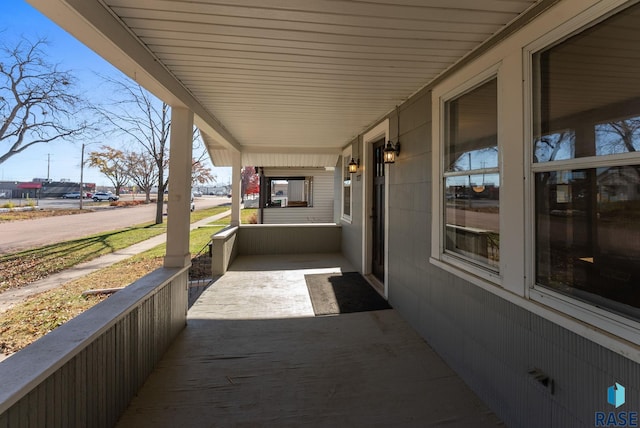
(48, 165)
(81, 175)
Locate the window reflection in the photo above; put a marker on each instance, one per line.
(472, 182)
(472, 217)
(621, 136)
(588, 234)
(346, 187)
(472, 130)
(289, 192)
(556, 146)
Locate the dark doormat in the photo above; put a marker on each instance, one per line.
(341, 293)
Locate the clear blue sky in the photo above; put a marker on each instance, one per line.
(20, 19)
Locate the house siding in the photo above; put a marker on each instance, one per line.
(490, 342)
(352, 230)
(322, 209)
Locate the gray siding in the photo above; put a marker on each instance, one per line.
(337, 189)
(352, 232)
(288, 239)
(491, 343)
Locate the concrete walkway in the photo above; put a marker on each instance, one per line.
(254, 355)
(12, 297)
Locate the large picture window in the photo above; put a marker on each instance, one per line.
(471, 177)
(587, 166)
(289, 192)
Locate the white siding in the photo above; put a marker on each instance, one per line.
(322, 209)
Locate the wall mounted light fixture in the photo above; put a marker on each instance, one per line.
(355, 162)
(353, 165)
(391, 151)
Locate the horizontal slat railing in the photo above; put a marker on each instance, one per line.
(86, 372)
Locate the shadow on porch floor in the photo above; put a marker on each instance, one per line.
(254, 354)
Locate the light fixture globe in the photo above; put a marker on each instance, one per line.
(353, 166)
(390, 152)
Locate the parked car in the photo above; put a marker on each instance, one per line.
(71, 195)
(104, 196)
(197, 194)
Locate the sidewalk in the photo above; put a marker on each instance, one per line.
(12, 297)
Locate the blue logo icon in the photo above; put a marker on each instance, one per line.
(615, 395)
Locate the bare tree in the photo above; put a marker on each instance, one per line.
(620, 136)
(143, 171)
(200, 174)
(112, 163)
(36, 100)
(147, 120)
(549, 146)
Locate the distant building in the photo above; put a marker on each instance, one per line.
(40, 188)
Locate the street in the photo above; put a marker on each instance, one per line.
(21, 235)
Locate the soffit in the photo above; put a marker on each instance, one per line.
(285, 75)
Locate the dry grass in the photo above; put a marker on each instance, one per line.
(34, 214)
(22, 268)
(28, 321)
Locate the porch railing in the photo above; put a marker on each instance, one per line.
(200, 272)
(86, 372)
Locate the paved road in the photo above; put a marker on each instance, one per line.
(20, 235)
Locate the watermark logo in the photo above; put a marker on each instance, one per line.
(616, 398)
(615, 395)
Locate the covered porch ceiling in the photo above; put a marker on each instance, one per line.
(285, 82)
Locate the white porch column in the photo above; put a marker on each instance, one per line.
(178, 210)
(236, 188)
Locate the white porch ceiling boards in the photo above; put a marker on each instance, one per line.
(280, 75)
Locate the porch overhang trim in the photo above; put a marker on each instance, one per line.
(277, 158)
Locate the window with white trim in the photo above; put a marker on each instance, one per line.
(346, 186)
(471, 177)
(586, 165)
(289, 192)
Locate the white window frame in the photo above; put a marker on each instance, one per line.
(511, 60)
(607, 320)
(347, 155)
(441, 96)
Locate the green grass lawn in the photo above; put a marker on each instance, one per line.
(25, 267)
(28, 321)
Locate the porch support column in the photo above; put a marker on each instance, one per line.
(236, 188)
(178, 210)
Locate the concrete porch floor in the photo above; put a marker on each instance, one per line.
(254, 355)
